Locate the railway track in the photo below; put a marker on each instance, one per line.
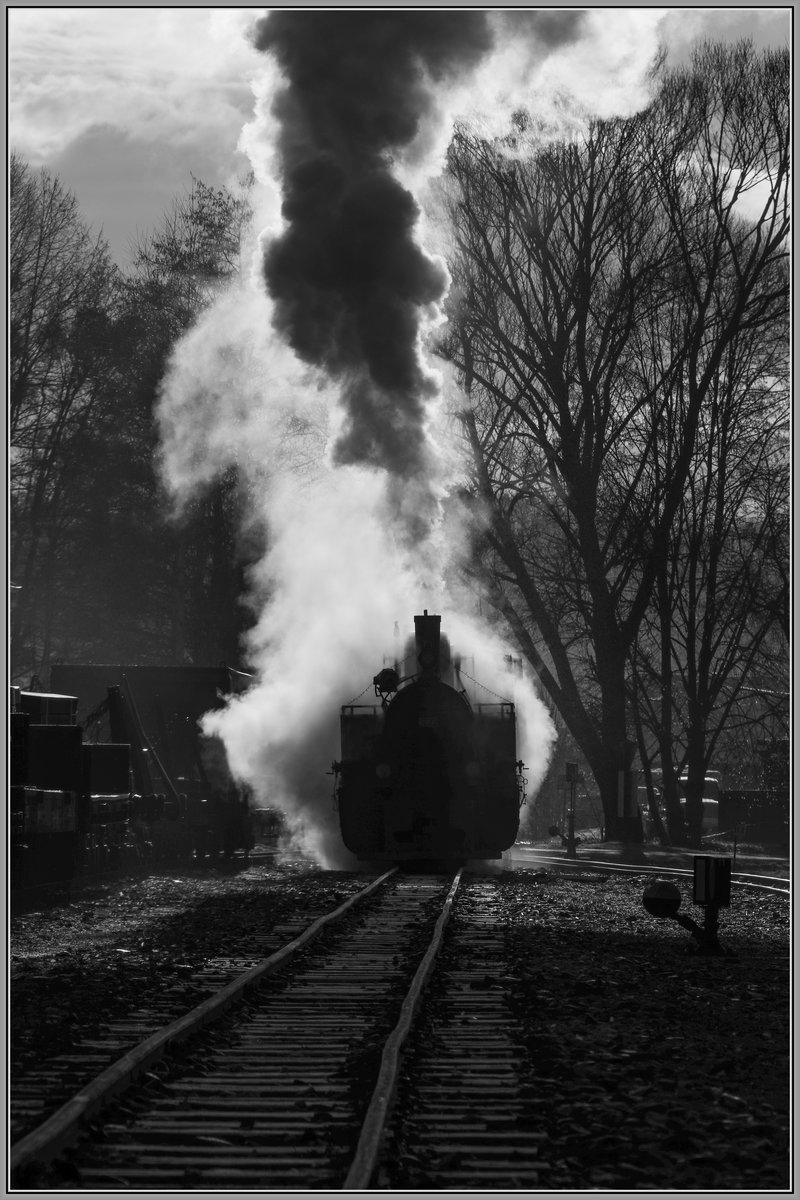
(320, 1067)
(768, 884)
(272, 1094)
(466, 1112)
(161, 984)
(298, 1083)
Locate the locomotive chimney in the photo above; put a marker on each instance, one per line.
(427, 633)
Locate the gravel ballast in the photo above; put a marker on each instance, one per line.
(650, 1066)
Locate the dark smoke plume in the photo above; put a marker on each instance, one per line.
(348, 280)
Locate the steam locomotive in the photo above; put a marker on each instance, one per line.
(426, 775)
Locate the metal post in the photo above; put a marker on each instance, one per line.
(571, 849)
(712, 890)
(710, 926)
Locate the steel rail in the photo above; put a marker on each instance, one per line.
(374, 1124)
(42, 1143)
(741, 878)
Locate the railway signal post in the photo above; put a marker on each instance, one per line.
(571, 770)
(712, 890)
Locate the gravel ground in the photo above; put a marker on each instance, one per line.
(77, 966)
(650, 1066)
(659, 1068)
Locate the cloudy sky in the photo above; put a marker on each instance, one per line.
(125, 103)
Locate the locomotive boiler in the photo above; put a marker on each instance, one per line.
(427, 774)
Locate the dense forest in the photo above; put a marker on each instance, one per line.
(619, 324)
(100, 571)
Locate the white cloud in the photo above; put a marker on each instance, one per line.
(682, 26)
(605, 71)
(179, 74)
(162, 74)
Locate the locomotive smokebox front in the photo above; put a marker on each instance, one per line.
(424, 775)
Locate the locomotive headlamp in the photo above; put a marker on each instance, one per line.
(386, 682)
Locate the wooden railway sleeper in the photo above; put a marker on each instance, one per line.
(41, 1145)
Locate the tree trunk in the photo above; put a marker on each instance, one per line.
(652, 802)
(672, 805)
(611, 768)
(695, 786)
(658, 827)
(614, 774)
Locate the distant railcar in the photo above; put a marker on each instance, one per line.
(427, 775)
(154, 791)
(70, 802)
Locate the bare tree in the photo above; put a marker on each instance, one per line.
(195, 251)
(704, 641)
(720, 154)
(598, 287)
(63, 293)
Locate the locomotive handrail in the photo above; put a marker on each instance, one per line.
(358, 697)
(506, 706)
(503, 699)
